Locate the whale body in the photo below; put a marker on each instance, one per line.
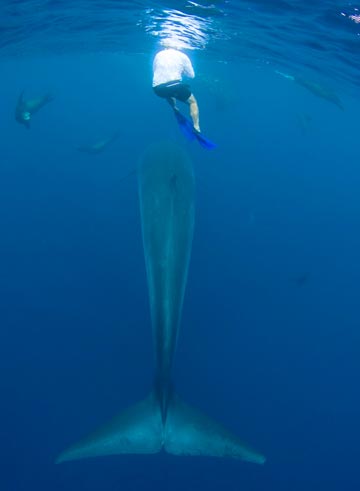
(162, 421)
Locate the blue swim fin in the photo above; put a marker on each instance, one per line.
(205, 142)
(189, 131)
(185, 125)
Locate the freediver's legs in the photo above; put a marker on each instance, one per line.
(172, 102)
(194, 112)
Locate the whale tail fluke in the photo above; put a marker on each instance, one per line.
(189, 431)
(136, 430)
(140, 430)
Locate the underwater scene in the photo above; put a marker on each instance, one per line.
(179, 246)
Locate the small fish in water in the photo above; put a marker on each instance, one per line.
(252, 218)
(99, 145)
(303, 121)
(173, 183)
(26, 108)
(204, 10)
(301, 280)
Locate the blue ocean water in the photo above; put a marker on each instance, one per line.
(269, 342)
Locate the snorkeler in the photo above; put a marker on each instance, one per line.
(26, 108)
(169, 67)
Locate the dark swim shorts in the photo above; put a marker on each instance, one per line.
(176, 89)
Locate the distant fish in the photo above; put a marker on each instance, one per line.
(301, 280)
(204, 10)
(99, 145)
(315, 88)
(285, 75)
(303, 121)
(222, 96)
(26, 108)
(252, 218)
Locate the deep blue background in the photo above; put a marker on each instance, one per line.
(275, 360)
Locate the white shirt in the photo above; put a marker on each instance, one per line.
(171, 64)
